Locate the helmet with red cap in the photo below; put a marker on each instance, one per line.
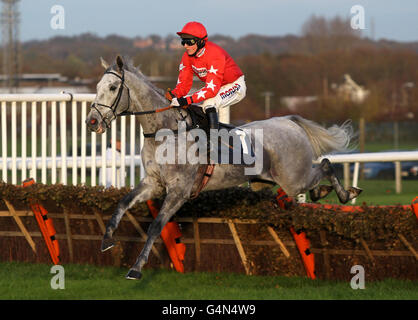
(195, 29)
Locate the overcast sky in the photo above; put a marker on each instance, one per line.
(396, 20)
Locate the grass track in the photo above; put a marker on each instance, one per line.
(32, 281)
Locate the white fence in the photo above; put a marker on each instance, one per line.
(37, 149)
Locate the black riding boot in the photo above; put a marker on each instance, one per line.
(212, 116)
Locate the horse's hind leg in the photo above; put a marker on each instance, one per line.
(343, 195)
(146, 190)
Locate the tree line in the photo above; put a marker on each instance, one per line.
(310, 64)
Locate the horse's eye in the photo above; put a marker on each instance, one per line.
(112, 88)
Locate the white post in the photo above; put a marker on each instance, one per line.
(4, 140)
(355, 177)
(122, 150)
(113, 145)
(34, 142)
(104, 159)
(14, 144)
(93, 159)
(84, 142)
(54, 142)
(74, 141)
(23, 137)
(63, 127)
(43, 142)
(132, 147)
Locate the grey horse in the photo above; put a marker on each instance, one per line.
(289, 146)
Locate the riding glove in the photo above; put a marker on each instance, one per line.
(181, 102)
(169, 95)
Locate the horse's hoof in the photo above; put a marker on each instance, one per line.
(107, 243)
(354, 192)
(133, 275)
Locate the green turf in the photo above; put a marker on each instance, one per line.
(32, 281)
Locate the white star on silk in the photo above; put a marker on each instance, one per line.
(201, 94)
(212, 70)
(211, 85)
(181, 66)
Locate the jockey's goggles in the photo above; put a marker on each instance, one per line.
(189, 41)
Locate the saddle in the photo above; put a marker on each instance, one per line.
(225, 147)
(199, 120)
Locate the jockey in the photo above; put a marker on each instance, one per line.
(224, 80)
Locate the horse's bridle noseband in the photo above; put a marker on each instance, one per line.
(115, 103)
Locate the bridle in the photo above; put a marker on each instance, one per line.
(115, 103)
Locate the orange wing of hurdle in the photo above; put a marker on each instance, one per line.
(414, 206)
(302, 243)
(171, 236)
(45, 225)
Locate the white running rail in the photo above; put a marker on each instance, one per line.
(32, 146)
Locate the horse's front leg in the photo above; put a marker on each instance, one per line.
(146, 190)
(171, 205)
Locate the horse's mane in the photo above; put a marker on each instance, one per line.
(129, 66)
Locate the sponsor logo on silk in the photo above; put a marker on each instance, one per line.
(201, 72)
(231, 91)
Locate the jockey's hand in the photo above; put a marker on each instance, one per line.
(181, 102)
(169, 95)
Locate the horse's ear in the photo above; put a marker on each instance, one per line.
(104, 63)
(119, 62)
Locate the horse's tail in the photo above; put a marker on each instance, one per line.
(323, 141)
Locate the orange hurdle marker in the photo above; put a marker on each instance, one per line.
(302, 243)
(45, 225)
(414, 206)
(171, 236)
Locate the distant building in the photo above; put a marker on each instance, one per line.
(293, 103)
(351, 91)
(143, 43)
(150, 43)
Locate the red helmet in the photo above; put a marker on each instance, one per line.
(195, 29)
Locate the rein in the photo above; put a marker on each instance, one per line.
(138, 113)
